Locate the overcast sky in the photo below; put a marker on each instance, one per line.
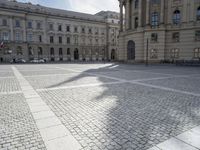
(85, 6)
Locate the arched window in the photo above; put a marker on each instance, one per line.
(136, 3)
(154, 19)
(176, 17)
(30, 51)
(52, 51)
(198, 13)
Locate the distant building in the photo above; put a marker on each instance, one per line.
(32, 31)
(171, 26)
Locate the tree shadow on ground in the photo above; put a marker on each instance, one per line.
(124, 115)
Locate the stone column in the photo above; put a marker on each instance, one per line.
(11, 29)
(185, 5)
(132, 15)
(147, 12)
(127, 14)
(140, 13)
(45, 31)
(162, 11)
(24, 28)
(192, 8)
(121, 16)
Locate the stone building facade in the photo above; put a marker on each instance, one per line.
(32, 31)
(170, 27)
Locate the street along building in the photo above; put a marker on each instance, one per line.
(156, 30)
(32, 31)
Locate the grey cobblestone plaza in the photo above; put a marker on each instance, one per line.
(99, 107)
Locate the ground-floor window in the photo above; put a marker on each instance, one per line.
(154, 54)
(175, 53)
(197, 53)
(19, 50)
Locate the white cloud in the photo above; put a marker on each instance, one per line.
(93, 6)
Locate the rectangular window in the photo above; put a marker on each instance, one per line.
(59, 27)
(38, 25)
(40, 38)
(68, 28)
(4, 22)
(154, 37)
(17, 36)
(5, 36)
(197, 53)
(51, 39)
(90, 31)
(68, 40)
(75, 29)
(51, 27)
(60, 39)
(17, 23)
(176, 37)
(30, 37)
(29, 24)
(197, 35)
(83, 30)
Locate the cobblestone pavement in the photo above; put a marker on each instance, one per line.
(106, 106)
(18, 130)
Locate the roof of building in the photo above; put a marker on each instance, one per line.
(28, 7)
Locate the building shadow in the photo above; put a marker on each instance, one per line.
(125, 116)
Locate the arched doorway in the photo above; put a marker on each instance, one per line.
(113, 54)
(131, 50)
(76, 54)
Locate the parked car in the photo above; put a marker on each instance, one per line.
(19, 60)
(38, 61)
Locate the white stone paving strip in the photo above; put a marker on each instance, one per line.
(54, 134)
(189, 140)
(7, 93)
(80, 86)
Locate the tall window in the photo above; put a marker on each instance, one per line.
(75, 29)
(68, 51)
(38, 25)
(40, 38)
(17, 36)
(4, 22)
(136, 3)
(198, 13)
(5, 36)
(60, 39)
(68, 40)
(29, 24)
(68, 28)
(197, 53)
(154, 37)
(154, 19)
(51, 39)
(51, 26)
(52, 51)
(197, 35)
(40, 51)
(136, 22)
(17, 23)
(59, 27)
(60, 51)
(176, 17)
(30, 37)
